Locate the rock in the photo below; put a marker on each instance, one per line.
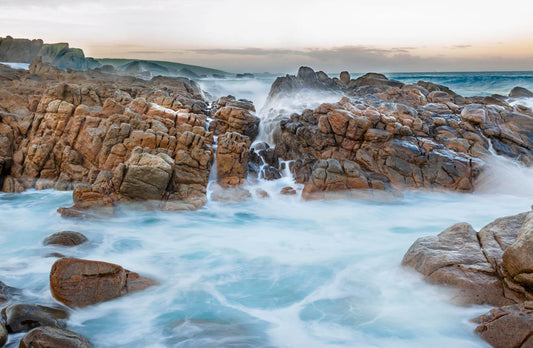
(345, 77)
(146, 175)
(80, 283)
(471, 262)
(7, 293)
(232, 158)
(235, 116)
(518, 258)
(24, 317)
(509, 326)
(520, 92)
(65, 238)
(306, 78)
(373, 79)
(262, 193)
(229, 193)
(3, 335)
(288, 191)
(47, 337)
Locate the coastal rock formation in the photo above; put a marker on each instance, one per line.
(388, 136)
(24, 317)
(233, 154)
(492, 266)
(46, 336)
(80, 283)
(231, 115)
(520, 92)
(3, 335)
(122, 138)
(59, 54)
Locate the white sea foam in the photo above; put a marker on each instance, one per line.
(23, 66)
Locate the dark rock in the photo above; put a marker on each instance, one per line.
(53, 337)
(24, 317)
(80, 283)
(66, 238)
(520, 92)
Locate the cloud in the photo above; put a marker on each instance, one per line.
(456, 47)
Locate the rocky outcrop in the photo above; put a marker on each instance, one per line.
(233, 155)
(59, 54)
(80, 283)
(387, 136)
(306, 78)
(46, 337)
(231, 115)
(121, 138)
(491, 267)
(3, 335)
(24, 317)
(65, 238)
(471, 261)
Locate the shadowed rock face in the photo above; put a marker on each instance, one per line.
(80, 283)
(24, 317)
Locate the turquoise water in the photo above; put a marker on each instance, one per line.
(277, 272)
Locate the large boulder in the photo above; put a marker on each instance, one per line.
(24, 317)
(470, 262)
(231, 115)
(518, 258)
(80, 283)
(3, 335)
(53, 337)
(146, 175)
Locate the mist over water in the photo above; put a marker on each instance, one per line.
(275, 272)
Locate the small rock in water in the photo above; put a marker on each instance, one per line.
(262, 193)
(46, 337)
(520, 92)
(288, 191)
(24, 317)
(80, 283)
(66, 238)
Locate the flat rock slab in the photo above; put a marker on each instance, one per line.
(80, 283)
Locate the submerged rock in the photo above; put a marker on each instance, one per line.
(24, 317)
(65, 238)
(80, 283)
(48, 337)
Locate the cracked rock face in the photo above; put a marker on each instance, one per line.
(509, 326)
(472, 262)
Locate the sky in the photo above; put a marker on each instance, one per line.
(281, 35)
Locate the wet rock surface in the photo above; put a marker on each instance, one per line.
(24, 317)
(491, 267)
(65, 238)
(80, 283)
(387, 136)
(47, 337)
